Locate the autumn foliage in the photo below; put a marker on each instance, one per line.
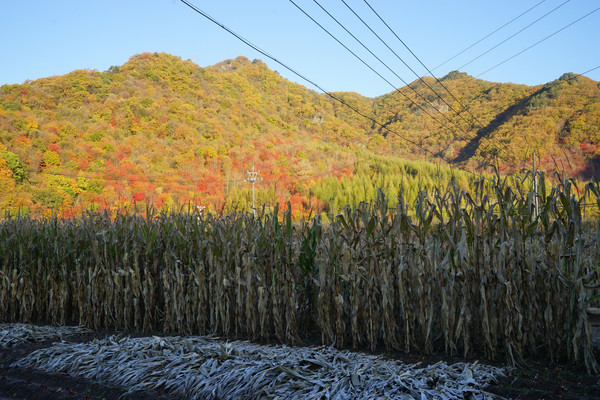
(163, 131)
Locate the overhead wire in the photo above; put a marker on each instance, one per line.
(530, 47)
(378, 59)
(485, 137)
(500, 83)
(538, 42)
(153, 180)
(424, 66)
(327, 93)
(463, 107)
(513, 35)
(403, 62)
(369, 66)
(488, 35)
(487, 90)
(466, 108)
(342, 101)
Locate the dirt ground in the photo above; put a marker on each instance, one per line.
(537, 381)
(543, 381)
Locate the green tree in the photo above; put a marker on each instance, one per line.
(13, 162)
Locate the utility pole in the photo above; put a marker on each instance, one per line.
(535, 190)
(253, 178)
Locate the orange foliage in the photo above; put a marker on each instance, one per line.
(165, 130)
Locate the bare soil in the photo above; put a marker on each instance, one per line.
(545, 381)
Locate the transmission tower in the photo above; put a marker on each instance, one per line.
(253, 178)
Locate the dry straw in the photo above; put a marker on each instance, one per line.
(201, 368)
(12, 335)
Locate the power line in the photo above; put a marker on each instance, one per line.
(319, 87)
(378, 59)
(153, 180)
(487, 90)
(575, 76)
(587, 72)
(329, 94)
(538, 42)
(432, 74)
(464, 108)
(524, 50)
(370, 67)
(253, 174)
(500, 83)
(488, 35)
(403, 62)
(515, 34)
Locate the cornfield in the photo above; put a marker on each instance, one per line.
(481, 273)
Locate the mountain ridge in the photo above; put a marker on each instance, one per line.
(163, 130)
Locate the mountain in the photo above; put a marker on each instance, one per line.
(162, 130)
(503, 124)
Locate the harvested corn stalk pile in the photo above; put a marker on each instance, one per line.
(15, 334)
(205, 368)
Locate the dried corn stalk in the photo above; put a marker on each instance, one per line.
(469, 273)
(203, 368)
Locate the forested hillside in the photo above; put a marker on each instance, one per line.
(164, 131)
(501, 124)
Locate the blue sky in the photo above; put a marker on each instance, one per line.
(43, 38)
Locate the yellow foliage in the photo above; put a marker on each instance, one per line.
(7, 183)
